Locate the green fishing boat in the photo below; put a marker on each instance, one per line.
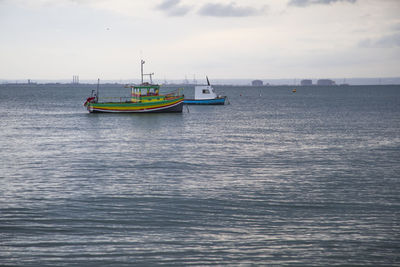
(144, 98)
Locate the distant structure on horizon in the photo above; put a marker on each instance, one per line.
(75, 79)
(325, 82)
(306, 82)
(257, 83)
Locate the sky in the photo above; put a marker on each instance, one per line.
(224, 39)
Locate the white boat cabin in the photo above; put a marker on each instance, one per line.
(204, 92)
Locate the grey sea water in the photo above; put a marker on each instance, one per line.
(275, 178)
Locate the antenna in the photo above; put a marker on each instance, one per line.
(208, 82)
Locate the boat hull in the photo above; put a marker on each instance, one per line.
(129, 107)
(215, 101)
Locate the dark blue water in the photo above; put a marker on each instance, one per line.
(274, 178)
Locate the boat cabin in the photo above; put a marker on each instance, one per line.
(145, 93)
(204, 92)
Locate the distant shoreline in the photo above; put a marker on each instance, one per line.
(33, 85)
(228, 82)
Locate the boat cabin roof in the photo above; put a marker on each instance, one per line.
(143, 86)
(146, 86)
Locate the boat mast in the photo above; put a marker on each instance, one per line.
(97, 93)
(147, 74)
(141, 67)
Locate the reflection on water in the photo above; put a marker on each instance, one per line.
(308, 179)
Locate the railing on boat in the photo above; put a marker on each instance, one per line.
(176, 93)
(168, 96)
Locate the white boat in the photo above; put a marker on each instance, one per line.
(205, 95)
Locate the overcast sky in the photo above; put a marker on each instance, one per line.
(266, 39)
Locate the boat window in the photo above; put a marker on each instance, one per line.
(206, 91)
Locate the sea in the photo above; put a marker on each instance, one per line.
(273, 178)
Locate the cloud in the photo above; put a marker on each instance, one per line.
(228, 10)
(386, 41)
(173, 8)
(396, 27)
(389, 40)
(168, 4)
(304, 3)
